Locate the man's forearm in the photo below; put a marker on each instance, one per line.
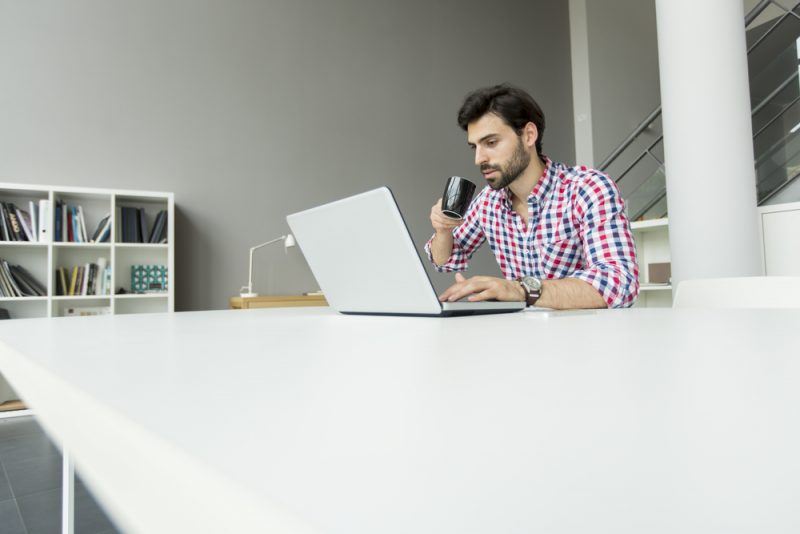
(442, 247)
(570, 293)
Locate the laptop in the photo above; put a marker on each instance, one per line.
(364, 259)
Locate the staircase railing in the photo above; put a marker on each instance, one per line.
(651, 192)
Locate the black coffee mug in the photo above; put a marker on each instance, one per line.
(457, 196)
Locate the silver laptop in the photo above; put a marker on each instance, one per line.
(365, 261)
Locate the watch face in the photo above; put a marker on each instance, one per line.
(534, 284)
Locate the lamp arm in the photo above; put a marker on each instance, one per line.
(253, 249)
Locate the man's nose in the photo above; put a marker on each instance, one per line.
(480, 157)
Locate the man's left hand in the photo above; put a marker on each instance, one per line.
(483, 288)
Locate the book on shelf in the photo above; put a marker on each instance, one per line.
(27, 281)
(45, 221)
(140, 216)
(4, 224)
(159, 232)
(26, 223)
(13, 223)
(81, 225)
(16, 281)
(33, 208)
(5, 282)
(15, 290)
(103, 231)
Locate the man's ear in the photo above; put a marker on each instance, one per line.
(530, 134)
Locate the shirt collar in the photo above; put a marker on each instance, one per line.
(542, 187)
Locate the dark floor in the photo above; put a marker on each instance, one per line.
(30, 485)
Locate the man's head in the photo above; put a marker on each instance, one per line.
(505, 126)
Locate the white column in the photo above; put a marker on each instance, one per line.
(708, 139)
(581, 80)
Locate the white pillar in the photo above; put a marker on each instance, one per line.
(708, 139)
(581, 83)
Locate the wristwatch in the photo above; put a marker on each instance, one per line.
(532, 287)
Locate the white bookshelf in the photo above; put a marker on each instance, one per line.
(652, 246)
(41, 259)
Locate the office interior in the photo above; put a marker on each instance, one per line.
(248, 111)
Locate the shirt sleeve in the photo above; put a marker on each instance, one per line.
(467, 238)
(608, 246)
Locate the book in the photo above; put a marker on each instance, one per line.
(102, 227)
(15, 289)
(59, 226)
(73, 281)
(130, 225)
(64, 219)
(100, 287)
(26, 222)
(70, 226)
(14, 226)
(81, 225)
(27, 282)
(142, 218)
(3, 224)
(5, 284)
(45, 221)
(61, 282)
(159, 228)
(33, 207)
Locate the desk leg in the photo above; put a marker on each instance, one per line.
(67, 494)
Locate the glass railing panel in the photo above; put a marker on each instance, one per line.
(778, 40)
(777, 84)
(779, 164)
(648, 199)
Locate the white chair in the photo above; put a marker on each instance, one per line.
(746, 292)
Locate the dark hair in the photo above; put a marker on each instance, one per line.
(516, 107)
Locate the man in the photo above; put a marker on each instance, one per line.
(559, 233)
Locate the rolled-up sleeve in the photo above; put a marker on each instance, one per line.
(608, 245)
(467, 238)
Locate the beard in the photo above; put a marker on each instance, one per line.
(516, 165)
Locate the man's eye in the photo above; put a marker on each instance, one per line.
(491, 142)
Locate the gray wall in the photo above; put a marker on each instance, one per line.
(623, 58)
(251, 110)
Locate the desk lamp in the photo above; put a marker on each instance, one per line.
(288, 241)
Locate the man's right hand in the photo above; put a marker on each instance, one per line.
(442, 224)
(442, 245)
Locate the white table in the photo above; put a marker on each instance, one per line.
(644, 420)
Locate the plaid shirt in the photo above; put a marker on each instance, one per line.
(577, 228)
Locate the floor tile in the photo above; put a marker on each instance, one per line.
(41, 512)
(24, 447)
(34, 475)
(10, 519)
(5, 487)
(13, 427)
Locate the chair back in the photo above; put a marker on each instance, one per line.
(744, 292)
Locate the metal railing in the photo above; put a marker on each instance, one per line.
(647, 124)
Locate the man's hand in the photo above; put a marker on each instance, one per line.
(442, 224)
(483, 288)
(442, 245)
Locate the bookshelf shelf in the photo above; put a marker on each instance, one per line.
(23, 299)
(82, 245)
(22, 244)
(141, 245)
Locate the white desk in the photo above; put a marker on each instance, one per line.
(645, 420)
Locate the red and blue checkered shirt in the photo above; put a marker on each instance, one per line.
(577, 228)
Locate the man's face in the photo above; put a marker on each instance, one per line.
(500, 153)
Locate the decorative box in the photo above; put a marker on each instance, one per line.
(148, 278)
